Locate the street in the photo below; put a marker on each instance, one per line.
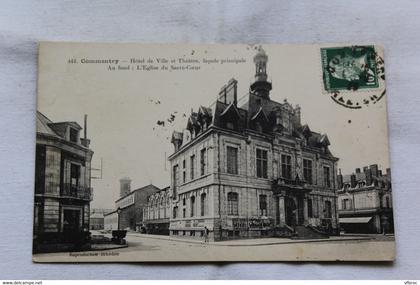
(153, 248)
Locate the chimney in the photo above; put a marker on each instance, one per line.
(296, 117)
(85, 141)
(125, 186)
(374, 169)
(379, 172)
(388, 173)
(368, 173)
(339, 179)
(177, 138)
(358, 170)
(229, 92)
(85, 127)
(222, 94)
(353, 180)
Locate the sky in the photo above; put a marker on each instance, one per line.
(124, 106)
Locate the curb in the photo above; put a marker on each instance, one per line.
(260, 244)
(109, 248)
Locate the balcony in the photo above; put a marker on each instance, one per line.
(289, 184)
(76, 191)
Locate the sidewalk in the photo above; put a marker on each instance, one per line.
(252, 242)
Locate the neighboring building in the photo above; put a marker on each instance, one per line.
(365, 201)
(62, 183)
(97, 218)
(100, 211)
(157, 213)
(111, 221)
(252, 169)
(131, 204)
(96, 221)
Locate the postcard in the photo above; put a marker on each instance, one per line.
(212, 153)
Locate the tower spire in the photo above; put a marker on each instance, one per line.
(261, 86)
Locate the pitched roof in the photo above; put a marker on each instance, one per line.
(149, 187)
(42, 125)
(229, 108)
(260, 114)
(46, 126)
(97, 216)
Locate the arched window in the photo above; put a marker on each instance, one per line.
(203, 204)
(192, 204)
(232, 198)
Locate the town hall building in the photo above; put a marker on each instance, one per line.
(251, 170)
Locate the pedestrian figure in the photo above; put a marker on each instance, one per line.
(206, 234)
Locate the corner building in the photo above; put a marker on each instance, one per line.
(365, 201)
(251, 170)
(62, 185)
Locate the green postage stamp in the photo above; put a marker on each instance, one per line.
(349, 68)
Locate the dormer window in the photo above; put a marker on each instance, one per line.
(278, 120)
(230, 125)
(258, 127)
(74, 134)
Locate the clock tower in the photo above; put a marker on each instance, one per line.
(261, 86)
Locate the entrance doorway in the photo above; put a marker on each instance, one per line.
(71, 220)
(294, 211)
(290, 212)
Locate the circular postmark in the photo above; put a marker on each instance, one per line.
(353, 76)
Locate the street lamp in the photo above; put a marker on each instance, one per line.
(118, 217)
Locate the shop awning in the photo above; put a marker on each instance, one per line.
(355, 220)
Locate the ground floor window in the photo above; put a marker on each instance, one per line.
(263, 205)
(232, 198)
(192, 233)
(310, 211)
(175, 233)
(327, 209)
(233, 233)
(72, 220)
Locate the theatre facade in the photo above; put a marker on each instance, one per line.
(252, 169)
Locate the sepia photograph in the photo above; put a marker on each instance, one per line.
(211, 153)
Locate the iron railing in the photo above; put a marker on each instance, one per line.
(291, 182)
(77, 191)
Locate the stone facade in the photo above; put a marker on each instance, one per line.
(365, 201)
(252, 170)
(62, 183)
(157, 213)
(111, 221)
(96, 221)
(97, 218)
(131, 205)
